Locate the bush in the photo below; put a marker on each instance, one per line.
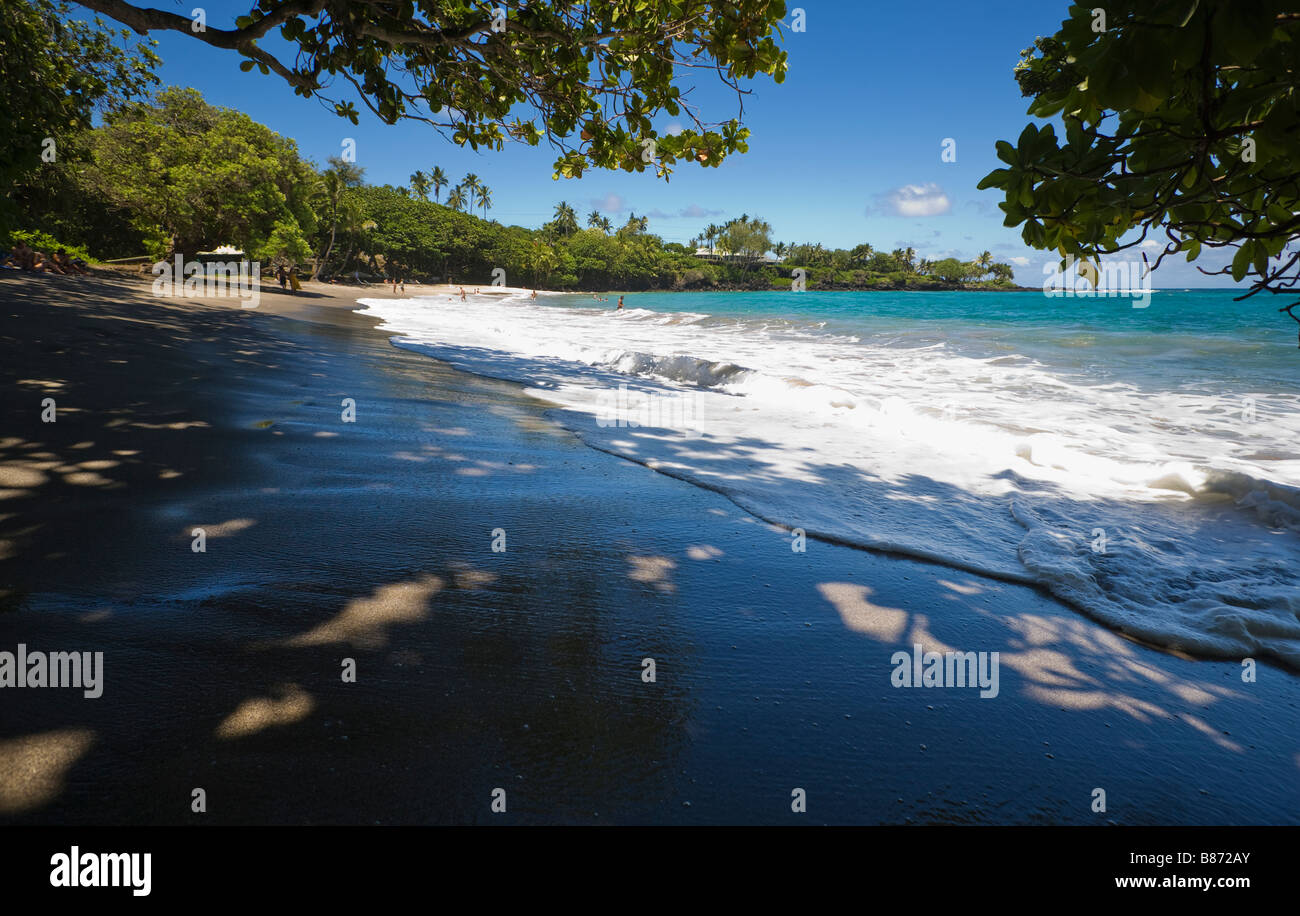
(45, 243)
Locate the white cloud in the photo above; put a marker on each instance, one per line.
(673, 129)
(610, 203)
(1019, 261)
(913, 200)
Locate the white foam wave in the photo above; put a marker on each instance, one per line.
(1001, 466)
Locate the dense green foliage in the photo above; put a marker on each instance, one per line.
(56, 72)
(1181, 118)
(202, 176)
(590, 77)
(179, 175)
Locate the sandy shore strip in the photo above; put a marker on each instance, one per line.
(333, 545)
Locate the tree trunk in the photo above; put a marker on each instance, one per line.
(326, 256)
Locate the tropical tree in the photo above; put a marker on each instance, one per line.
(201, 175)
(485, 199)
(420, 185)
(58, 71)
(565, 222)
(984, 263)
(340, 176)
(862, 254)
(438, 179)
(1180, 119)
(711, 233)
(471, 184)
(354, 226)
(456, 199)
(590, 78)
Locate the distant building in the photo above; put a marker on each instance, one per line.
(721, 254)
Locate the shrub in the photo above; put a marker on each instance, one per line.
(46, 243)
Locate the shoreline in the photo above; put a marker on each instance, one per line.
(477, 669)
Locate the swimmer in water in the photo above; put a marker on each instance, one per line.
(620, 303)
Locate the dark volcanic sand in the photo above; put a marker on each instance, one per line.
(521, 670)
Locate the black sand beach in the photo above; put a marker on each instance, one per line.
(523, 670)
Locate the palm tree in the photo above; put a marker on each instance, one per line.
(485, 199)
(456, 199)
(420, 184)
(566, 220)
(593, 219)
(984, 263)
(354, 226)
(472, 185)
(711, 232)
(340, 176)
(862, 254)
(438, 179)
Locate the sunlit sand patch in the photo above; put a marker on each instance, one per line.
(363, 622)
(43, 384)
(21, 476)
(186, 424)
(36, 766)
(862, 616)
(473, 578)
(86, 479)
(169, 474)
(703, 552)
(83, 445)
(653, 571)
(223, 529)
(260, 713)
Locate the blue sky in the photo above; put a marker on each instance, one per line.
(846, 150)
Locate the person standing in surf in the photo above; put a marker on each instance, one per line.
(620, 303)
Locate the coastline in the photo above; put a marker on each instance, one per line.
(519, 669)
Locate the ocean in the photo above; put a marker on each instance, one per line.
(1140, 464)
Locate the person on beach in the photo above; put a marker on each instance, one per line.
(534, 295)
(283, 276)
(293, 278)
(620, 303)
(66, 265)
(23, 257)
(462, 294)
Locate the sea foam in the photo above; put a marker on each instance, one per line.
(1163, 513)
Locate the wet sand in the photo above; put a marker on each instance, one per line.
(476, 669)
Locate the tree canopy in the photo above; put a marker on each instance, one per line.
(205, 176)
(56, 71)
(587, 76)
(1181, 117)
